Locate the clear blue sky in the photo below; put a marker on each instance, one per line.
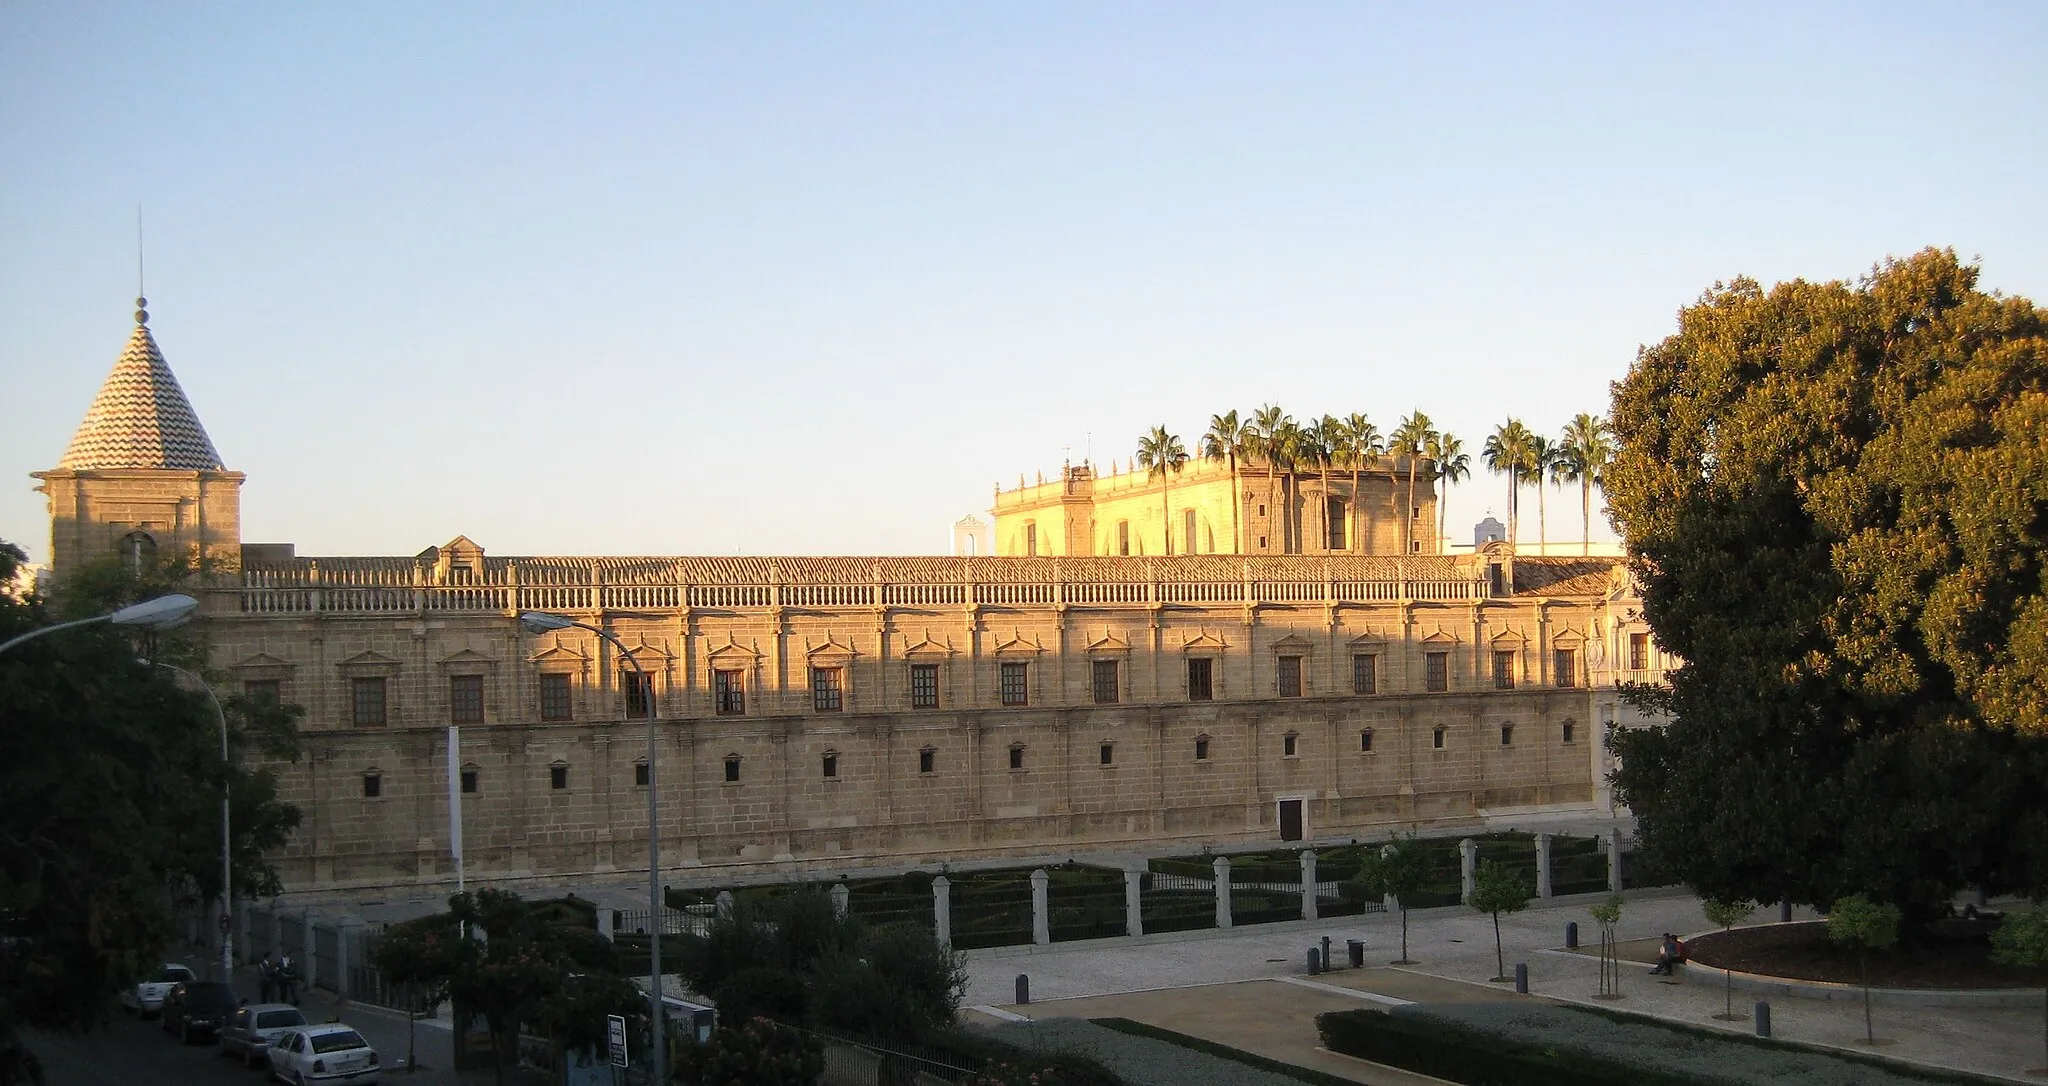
(811, 278)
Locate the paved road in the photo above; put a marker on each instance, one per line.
(130, 1051)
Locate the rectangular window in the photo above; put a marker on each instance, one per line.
(1638, 651)
(831, 764)
(1365, 674)
(366, 702)
(1496, 579)
(1365, 741)
(732, 770)
(1436, 671)
(1031, 540)
(729, 691)
(465, 699)
(468, 781)
(1108, 754)
(1187, 531)
(1201, 750)
(262, 691)
(927, 760)
(373, 786)
(924, 686)
(1014, 690)
(1123, 538)
(1507, 735)
(1016, 757)
(558, 777)
(1436, 739)
(1336, 518)
(1290, 676)
(1105, 682)
(639, 690)
(1570, 731)
(554, 698)
(826, 694)
(1503, 671)
(1564, 667)
(640, 774)
(1287, 745)
(1199, 673)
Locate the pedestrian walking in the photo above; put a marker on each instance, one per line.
(266, 978)
(287, 980)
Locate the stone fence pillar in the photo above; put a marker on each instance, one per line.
(942, 910)
(722, 904)
(1308, 886)
(840, 894)
(1222, 869)
(1041, 912)
(1614, 862)
(1134, 903)
(1543, 865)
(1468, 865)
(607, 922)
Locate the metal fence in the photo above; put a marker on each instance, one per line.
(326, 957)
(291, 935)
(1638, 871)
(992, 909)
(1578, 865)
(851, 1062)
(1084, 903)
(1171, 902)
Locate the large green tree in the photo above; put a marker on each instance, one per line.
(1837, 495)
(110, 784)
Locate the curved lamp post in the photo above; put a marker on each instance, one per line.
(540, 622)
(161, 613)
(227, 897)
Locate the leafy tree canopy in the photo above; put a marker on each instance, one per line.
(1837, 494)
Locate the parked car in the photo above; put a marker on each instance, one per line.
(251, 1029)
(198, 1008)
(147, 998)
(309, 1055)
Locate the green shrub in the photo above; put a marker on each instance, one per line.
(1476, 1059)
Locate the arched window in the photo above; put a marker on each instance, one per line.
(138, 550)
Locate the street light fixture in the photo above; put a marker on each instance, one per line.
(227, 897)
(161, 613)
(540, 622)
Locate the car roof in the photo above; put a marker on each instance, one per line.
(268, 1007)
(321, 1028)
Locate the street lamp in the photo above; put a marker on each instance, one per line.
(227, 897)
(161, 613)
(540, 622)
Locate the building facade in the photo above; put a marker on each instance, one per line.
(828, 713)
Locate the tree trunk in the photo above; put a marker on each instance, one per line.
(1863, 963)
(1404, 933)
(1542, 517)
(1586, 513)
(1165, 512)
(1358, 544)
(1500, 962)
(1236, 503)
(1272, 503)
(1442, 512)
(1408, 513)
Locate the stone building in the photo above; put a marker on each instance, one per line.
(826, 713)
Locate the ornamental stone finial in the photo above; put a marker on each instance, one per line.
(142, 312)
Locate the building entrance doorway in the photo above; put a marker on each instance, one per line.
(1290, 820)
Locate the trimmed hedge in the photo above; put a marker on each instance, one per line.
(1221, 1052)
(1474, 1058)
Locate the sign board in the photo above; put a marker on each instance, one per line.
(615, 1031)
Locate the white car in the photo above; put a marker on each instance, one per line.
(249, 1033)
(306, 1055)
(147, 998)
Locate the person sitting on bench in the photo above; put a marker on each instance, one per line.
(1668, 955)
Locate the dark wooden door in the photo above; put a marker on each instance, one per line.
(1290, 820)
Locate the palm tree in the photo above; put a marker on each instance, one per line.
(1162, 455)
(1587, 452)
(1363, 447)
(1227, 440)
(1543, 454)
(1453, 465)
(1287, 449)
(1507, 453)
(1269, 426)
(1323, 441)
(1410, 439)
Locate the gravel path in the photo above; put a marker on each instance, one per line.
(1139, 1061)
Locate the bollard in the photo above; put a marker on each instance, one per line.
(1571, 935)
(1522, 978)
(1763, 1018)
(1356, 948)
(1784, 912)
(1328, 964)
(1023, 989)
(1315, 961)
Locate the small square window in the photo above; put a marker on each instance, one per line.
(732, 768)
(558, 777)
(465, 699)
(1290, 676)
(831, 764)
(640, 774)
(1108, 754)
(1436, 669)
(1365, 741)
(1570, 731)
(554, 698)
(373, 785)
(1105, 676)
(1017, 757)
(469, 781)
(1503, 671)
(927, 760)
(1365, 674)
(1288, 745)
(1507, 735)
(1015, 690)
(1202, 750)
(1436, 739)
(924, 686)
(1200, 675)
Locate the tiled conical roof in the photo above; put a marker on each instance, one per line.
(141, 418)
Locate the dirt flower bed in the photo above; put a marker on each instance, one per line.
(1802, 951)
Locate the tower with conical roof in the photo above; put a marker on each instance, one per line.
(141, 477)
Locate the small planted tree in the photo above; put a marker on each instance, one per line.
(1608, 914)
(1866, 925)
(1725, 915)
(2022, 940)
(1497, 890)
(1398, 871)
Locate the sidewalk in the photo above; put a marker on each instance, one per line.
(1455, 950)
